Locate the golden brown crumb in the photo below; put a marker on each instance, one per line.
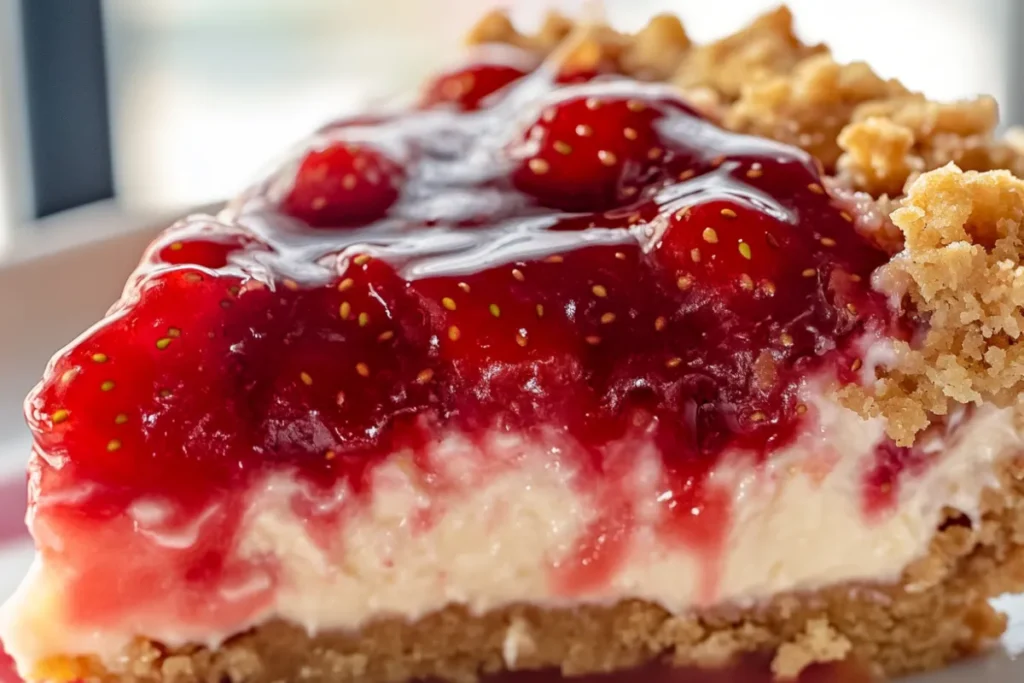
(877, 156)
(652, 54)
(767, 47)
(817, 644)
(656, 51)
(809, 105)
(496, 27)
(493, 27)
(890, 140)
(961, 268)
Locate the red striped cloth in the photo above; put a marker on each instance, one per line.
(12, 533)
(7, 673)
(12, 509)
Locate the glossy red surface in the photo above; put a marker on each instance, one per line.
(12, 510)
(7, 672)
(593, 260)
(465, 88)
(343, 184)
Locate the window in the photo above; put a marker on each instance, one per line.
(66, 97)
(13, 188)
(170, 103)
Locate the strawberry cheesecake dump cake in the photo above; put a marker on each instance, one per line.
(606, 350)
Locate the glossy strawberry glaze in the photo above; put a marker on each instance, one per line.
(594, 261)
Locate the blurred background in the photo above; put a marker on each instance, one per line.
(165, 104)
(116, 115)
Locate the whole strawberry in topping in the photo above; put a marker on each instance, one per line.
(501, 331)
(352, 362)
(773, 255)
(210, 376)
(731, 245)
(464, 88)
(150, 384)
(343, 184)
(203, 244)
(536, 338)
(594, 149)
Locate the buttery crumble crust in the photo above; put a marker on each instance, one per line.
(959, 267)
(937, 613)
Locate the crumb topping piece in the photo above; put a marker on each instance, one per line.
(961, 269)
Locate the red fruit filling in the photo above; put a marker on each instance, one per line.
(598, 146)
(623, 269)
(465, 88)
(343, 184)
(209, 246)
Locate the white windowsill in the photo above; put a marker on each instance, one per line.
(72, 229)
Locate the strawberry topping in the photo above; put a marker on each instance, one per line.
(623, 269)
(209, 246)
(343, 184)
(589, 151)
(465, 88)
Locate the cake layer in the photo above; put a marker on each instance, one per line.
(485, 525)
(892, 627)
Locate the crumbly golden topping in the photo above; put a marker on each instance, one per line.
(809, 105)
(818, 643)
(891, 141)
(765, 49)
(960, 268)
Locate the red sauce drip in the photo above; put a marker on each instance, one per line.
(12, 511)
(7, 671)
(580, 259)
(598, 553)
(881, 486)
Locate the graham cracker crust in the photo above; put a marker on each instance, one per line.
(937, 613)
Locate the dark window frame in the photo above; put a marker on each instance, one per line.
(65, 78)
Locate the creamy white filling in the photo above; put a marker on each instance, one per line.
(516, 515)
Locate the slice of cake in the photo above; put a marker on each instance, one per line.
(609, 350)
